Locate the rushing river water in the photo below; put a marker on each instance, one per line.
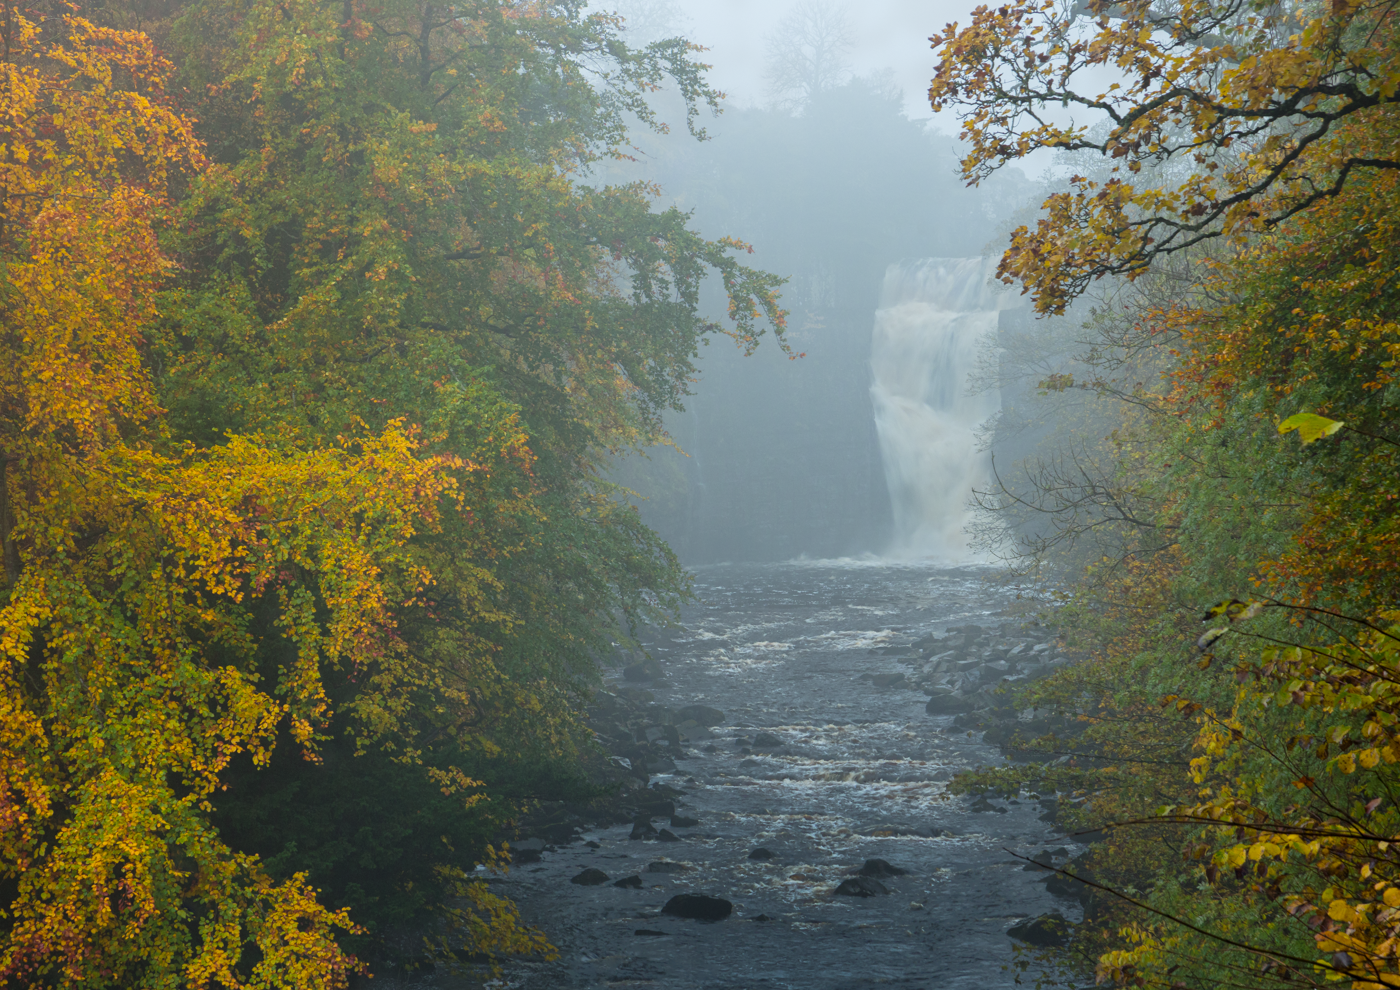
(860, 774)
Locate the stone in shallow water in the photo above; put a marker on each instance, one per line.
(642, 828)
(681, 821)
(590, 878)
(766, 740)
(668, 866)
(861, 887)
(761, 854)
(666, 835)
(633, 882)
(701, 907)
(880, 868)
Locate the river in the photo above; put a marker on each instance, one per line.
(860, 774)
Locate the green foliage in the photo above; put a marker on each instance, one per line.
(308, 563)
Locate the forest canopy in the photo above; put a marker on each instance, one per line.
(313, 345)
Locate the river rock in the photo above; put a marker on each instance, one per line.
(761, 854)
(590, 878)
(886, 680)
(701, 907)
(633, 882)
(692, 731)
(668, 866)
(666, 835)
(703, 714)
(880, 868)
(642, 828)
(1048, 930)
(766, 740)
(861, 887)
(681, 821)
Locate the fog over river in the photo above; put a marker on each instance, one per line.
(819, 765)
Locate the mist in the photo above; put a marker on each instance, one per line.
(822, 163)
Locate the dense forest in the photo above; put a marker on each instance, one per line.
(1215, 488)
(314, 348)
(325, 327)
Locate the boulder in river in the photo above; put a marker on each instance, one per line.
(681, 821)
(880, 868)
(642, 828)
(703, 714)
(666, 835)
(861, 887)
(761, 854)
(766, 740)
(634, 882)
(590, 878)
(1048, 930)
(701, 907)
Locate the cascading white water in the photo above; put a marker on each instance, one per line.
(933, 317)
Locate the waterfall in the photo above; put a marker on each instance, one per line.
(933, 317)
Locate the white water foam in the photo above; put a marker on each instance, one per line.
(934, 316)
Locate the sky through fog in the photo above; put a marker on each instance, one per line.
(891, 35)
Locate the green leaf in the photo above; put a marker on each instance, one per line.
(1210, 636)
(1310, 426)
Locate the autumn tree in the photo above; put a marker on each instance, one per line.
(405, 225)
(304, 390)
(131, 562)
(1270, 131)
(1221, 120)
